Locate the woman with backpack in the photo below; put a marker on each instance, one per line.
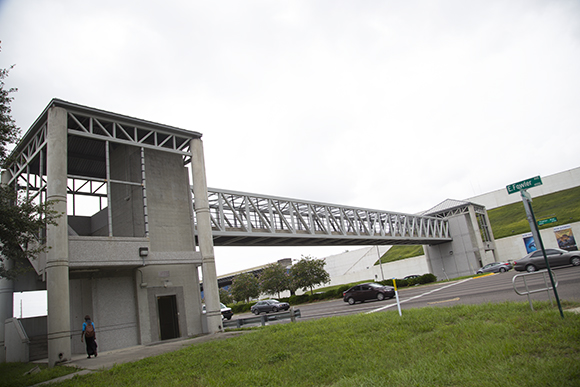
(90, 336)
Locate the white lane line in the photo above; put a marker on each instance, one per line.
(419, 296)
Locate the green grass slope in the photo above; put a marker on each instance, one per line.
(482, 345)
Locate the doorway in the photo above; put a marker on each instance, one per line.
(168, 317)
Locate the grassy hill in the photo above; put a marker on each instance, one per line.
(511, 219)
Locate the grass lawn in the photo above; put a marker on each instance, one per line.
(470, 345)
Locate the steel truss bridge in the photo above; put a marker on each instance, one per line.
(244, 219)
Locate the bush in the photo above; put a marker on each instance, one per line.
(242, 307)
(427, 278)
(342, 289)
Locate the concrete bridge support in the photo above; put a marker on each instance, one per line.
(205, 237)
(57, 265)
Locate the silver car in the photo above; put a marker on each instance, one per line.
(556, 257)
(495, 267)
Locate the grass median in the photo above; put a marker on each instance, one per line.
(469, 345)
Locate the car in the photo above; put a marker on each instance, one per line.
(495, 267)
(556, 257)
(368, 291)
(412, 276)
(269, 306)
(226, 312)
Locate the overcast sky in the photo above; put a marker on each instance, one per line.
(391, 105)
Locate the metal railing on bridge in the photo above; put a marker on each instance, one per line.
(240, 218)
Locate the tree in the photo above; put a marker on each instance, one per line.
(309, 272)
(225, 297)
(20, 219)
(274, 279)
(245, 286)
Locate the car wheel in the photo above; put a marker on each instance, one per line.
(274, 309)
(229, 318)
(351, 301)
(502, 270)
(530, 268)
(380, 296)
(575, 261)
(256, 312)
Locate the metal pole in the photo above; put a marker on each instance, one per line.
(536, 233)
(380, 263)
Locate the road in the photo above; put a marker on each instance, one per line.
(492, 288)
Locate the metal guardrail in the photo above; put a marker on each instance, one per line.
(527, 291)
(263, 319)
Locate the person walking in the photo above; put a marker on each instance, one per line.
(89, 336)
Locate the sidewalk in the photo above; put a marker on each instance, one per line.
(107, 359)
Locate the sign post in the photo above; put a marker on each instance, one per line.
(522, 187)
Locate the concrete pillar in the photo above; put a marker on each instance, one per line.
(479, 248)
(6, 295)
(57, 275)
(204, 234)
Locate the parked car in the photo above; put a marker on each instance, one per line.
(495, 267)
(269, 306)
(368, 291)
(226, 312)
(556, 257)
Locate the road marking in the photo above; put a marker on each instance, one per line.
(418, 296)
(442, 301)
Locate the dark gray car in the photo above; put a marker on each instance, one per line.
(368, 291)
(556, 257)
(269, 306)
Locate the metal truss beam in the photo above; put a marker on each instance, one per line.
(243, 219)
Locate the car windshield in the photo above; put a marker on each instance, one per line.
(374, 285)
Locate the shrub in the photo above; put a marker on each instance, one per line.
(427, 278)
(342, 289)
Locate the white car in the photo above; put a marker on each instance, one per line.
(226, 312)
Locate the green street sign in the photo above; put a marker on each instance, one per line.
(525, 184)
(541, 222)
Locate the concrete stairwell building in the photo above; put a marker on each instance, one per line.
(125, 251)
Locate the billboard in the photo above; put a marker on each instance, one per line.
(529, 242)
(565, 238)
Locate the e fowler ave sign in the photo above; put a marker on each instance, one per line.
(523, 185)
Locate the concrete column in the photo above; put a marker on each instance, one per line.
(57, 275)
(204, 234)
(6, 295)
(480, 248)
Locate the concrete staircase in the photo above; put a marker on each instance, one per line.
(38, 348)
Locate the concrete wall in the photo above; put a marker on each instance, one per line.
(162, 280)
(513, 248)
(456, 258)
(126, 200)
(169, 203)
(109, 298)
(397, 269)
(16, 342)
(353, 261)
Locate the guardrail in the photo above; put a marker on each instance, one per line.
(263, 319)
(527, 292)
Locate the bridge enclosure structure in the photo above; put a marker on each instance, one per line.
(473, 245)
(139, 221)
(124, 251)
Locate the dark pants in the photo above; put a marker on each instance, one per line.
(91, 346)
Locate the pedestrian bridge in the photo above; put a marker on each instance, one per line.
(244, 219)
